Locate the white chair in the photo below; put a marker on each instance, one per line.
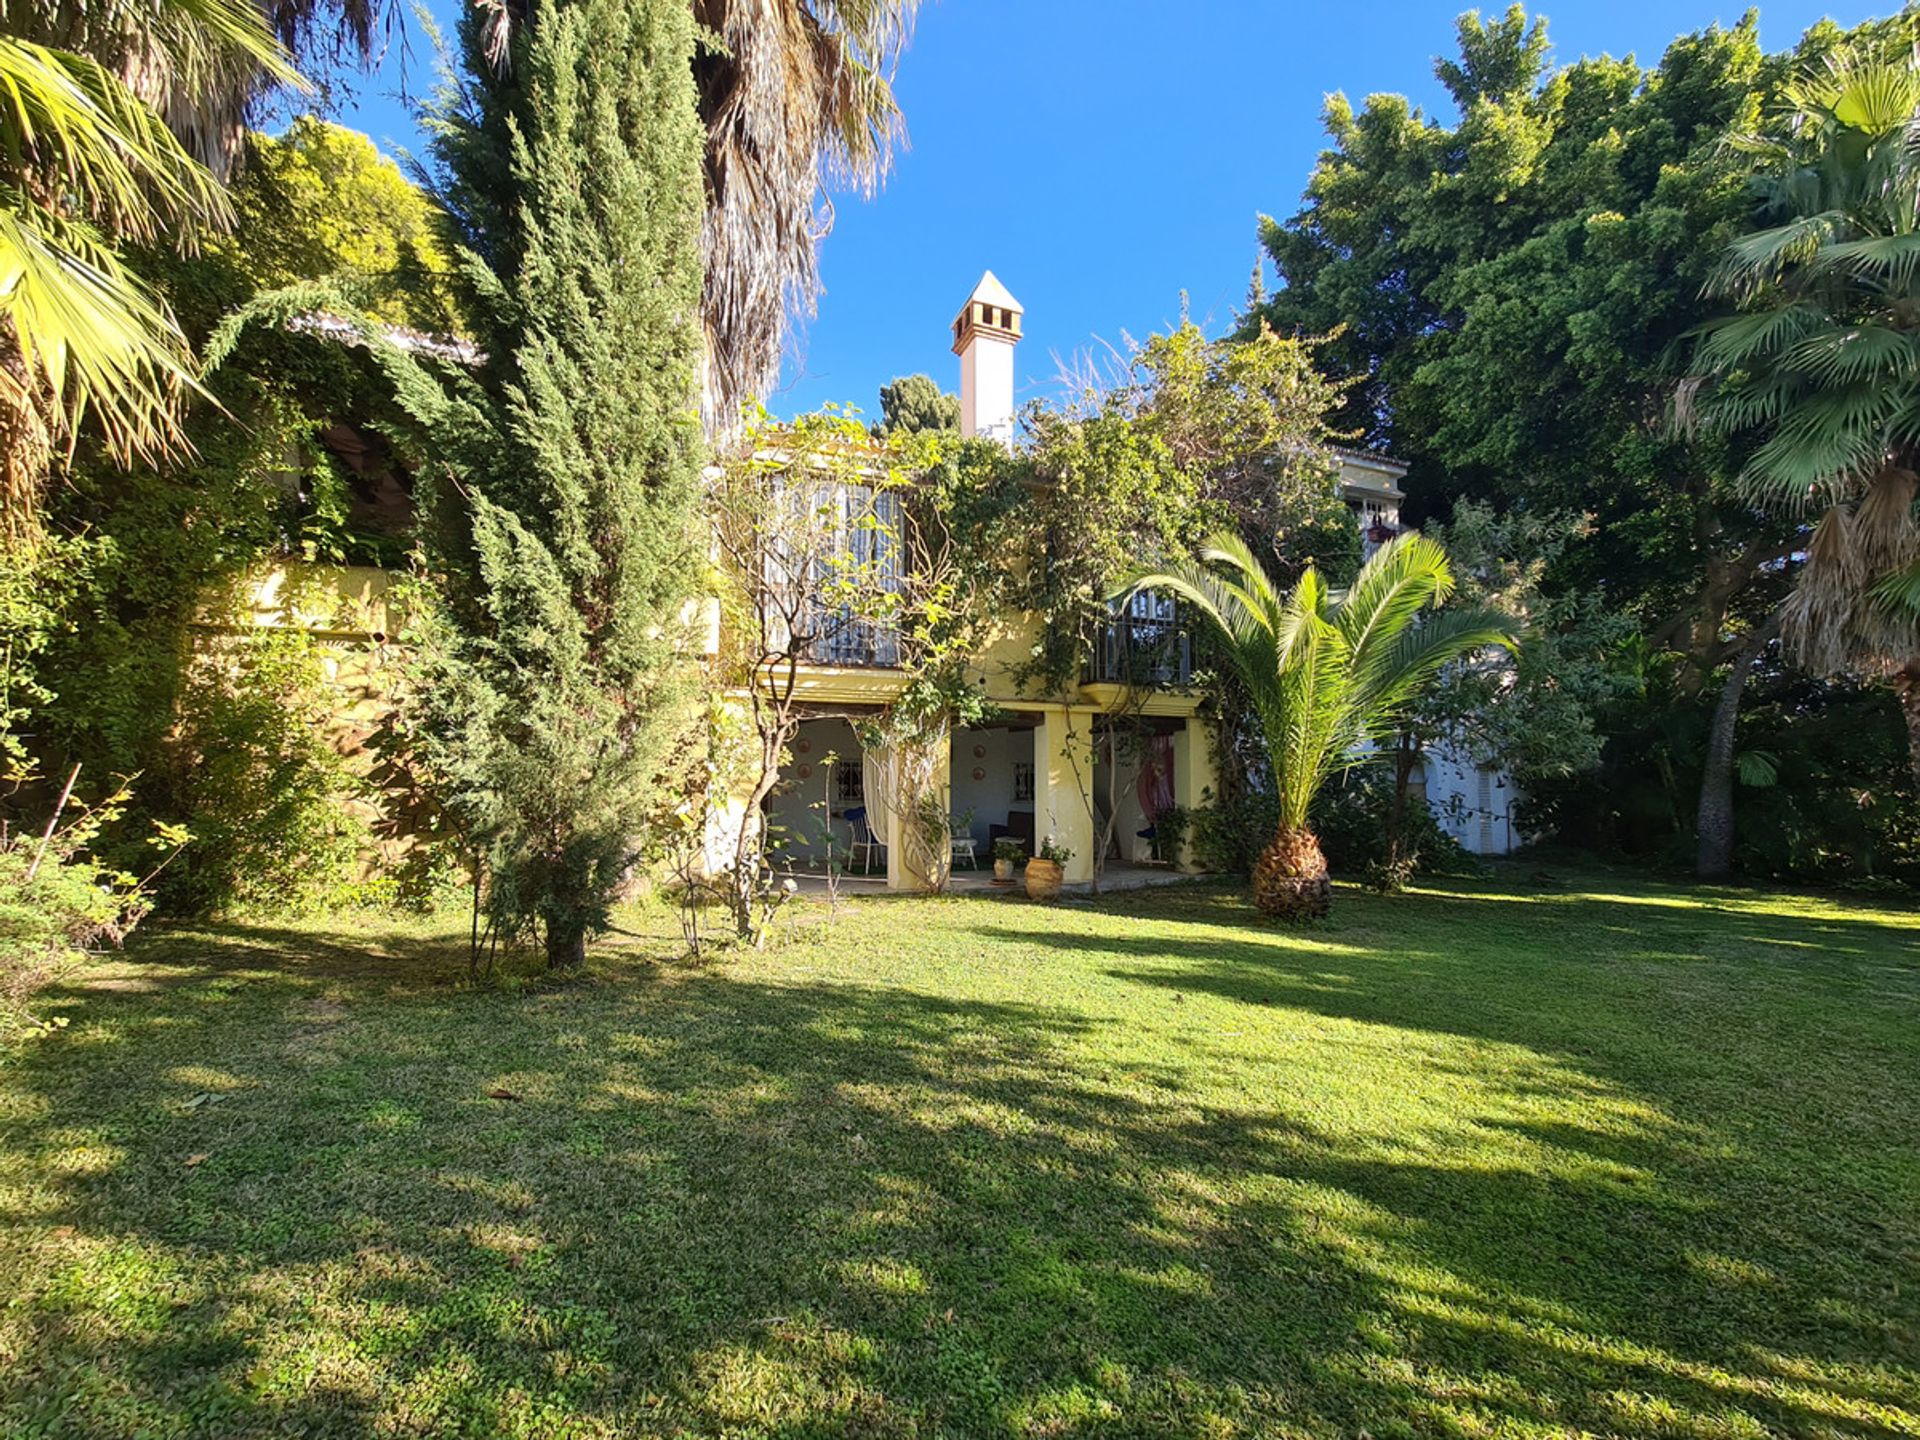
(864, 845)
(963, 848)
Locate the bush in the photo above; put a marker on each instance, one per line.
(1353, 817)
(57, 902)
(271, 803)
(1229, 834)
(1350, 817)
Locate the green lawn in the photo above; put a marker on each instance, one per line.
(1494, 1158)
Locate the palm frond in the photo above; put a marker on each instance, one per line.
(93, 339)
(1400, 579)
(1843, 355)
(112, 155)
(796, 95)
(1325, 672)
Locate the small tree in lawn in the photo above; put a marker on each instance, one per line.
(823, 562)
(559, 528)
(1326, 672)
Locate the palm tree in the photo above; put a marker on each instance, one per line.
(799, 93)
(1821, 355)
(1326, 672)
(117, 122)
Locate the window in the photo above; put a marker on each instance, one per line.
(849, 783)
(1023, 781)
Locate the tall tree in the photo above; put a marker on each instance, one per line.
(1820, 356)
(911, 404)
(1326, 674)
(795, 95)
(1513, 287)
(572, 166)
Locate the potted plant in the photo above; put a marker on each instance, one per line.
(1047, 869)
(1007, 853)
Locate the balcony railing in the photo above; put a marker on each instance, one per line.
(856, 643)
(1148, 644)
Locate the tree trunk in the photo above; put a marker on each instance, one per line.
(1290, 877)
(1906, 686)
(1398, 861)
(566, 946)
(1713, 822)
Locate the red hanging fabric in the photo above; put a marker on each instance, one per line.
(1156, 777)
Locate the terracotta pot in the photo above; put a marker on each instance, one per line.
(1003, 872)
(1043, 879)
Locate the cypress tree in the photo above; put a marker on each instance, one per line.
(561, 471)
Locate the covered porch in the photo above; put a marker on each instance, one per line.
(1072, 772)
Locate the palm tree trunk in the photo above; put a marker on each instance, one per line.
(1714, 821)
(1290, 877)
(1398, 867)
(25, 446)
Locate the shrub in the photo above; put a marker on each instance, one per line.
(57, 901)
(272, 804)
(1350, 817)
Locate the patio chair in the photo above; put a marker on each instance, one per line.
(964, 847)
(864, 844)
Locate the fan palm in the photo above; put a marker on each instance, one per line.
(1327, 673)
(87, 164)
(1821, 355)
(798, 93)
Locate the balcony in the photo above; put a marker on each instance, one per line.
(1148, 644)
(851, 642)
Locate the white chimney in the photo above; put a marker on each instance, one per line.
(984, 334)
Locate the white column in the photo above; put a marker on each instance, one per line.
(909, 866)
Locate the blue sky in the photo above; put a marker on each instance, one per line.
(1102, 156)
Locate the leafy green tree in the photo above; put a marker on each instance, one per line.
(1326, 673)
(322, 202)
(915, 404)
(1518, 288)
(560, 542)
(1505, 295)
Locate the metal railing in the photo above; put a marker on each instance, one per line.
(1148, 645)
(842, 639)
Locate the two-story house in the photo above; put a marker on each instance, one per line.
(1051, 764)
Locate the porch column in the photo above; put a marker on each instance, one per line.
(1063, 786)
(1194, 780)
(907, 867)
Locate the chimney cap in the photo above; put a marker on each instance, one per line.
(989, 310)
(991, 292)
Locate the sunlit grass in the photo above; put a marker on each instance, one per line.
(1491, 1159)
